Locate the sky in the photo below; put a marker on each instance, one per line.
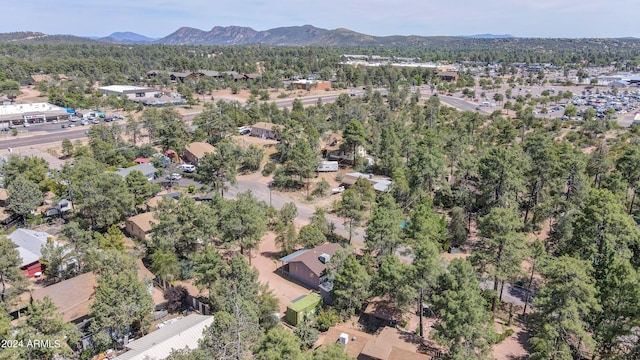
(159, 18)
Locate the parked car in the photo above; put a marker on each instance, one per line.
(189, 168)
(64, 126)
(337, 190)
(244, 130)
(174, 177)
(54, 121)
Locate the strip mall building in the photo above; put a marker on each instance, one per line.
(18, 114)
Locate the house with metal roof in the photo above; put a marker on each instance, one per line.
(181, 334)
(379, 184)
(29, 244)
(148, 170)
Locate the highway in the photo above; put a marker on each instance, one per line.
(38, 134)
(49, 133)
(42, 137)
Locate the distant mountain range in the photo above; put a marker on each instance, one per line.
(126, 37)
(238, 35)
(490, 36)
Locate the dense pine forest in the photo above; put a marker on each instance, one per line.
(540, 203)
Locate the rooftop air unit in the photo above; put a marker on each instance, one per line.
(324, 258)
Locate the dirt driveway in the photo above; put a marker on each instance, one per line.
(265, 261)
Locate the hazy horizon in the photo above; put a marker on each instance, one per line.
(520, 18)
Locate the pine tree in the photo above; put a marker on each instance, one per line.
(564, 304)
(351, 286)
(464, 324)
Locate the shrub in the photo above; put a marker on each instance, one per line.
(268, 169)
(176, 298)
(326, 319)
(307, 334)
(322, 188)
(497, 338)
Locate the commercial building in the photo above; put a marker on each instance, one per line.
(311, 85)
(131, 92)
(18, 114)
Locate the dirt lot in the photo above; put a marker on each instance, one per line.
(265, 261)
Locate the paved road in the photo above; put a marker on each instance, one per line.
(8, 141)
(511, 294)
(463, 105)
(262, 192)
(48, 133)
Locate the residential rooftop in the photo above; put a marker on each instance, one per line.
(159, 344)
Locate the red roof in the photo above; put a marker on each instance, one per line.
(169, 152)
(142, 160)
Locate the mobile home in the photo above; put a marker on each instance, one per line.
(326, 166)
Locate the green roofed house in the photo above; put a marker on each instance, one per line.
(302, 307)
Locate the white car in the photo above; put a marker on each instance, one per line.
(338, 190)
(174, 177)
(187, 168)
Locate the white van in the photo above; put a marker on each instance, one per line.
(485, 104)
(189, 168)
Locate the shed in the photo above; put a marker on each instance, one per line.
(301, 308)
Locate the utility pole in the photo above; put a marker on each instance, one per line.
(421, 310)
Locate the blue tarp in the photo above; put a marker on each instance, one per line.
(70, 111)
